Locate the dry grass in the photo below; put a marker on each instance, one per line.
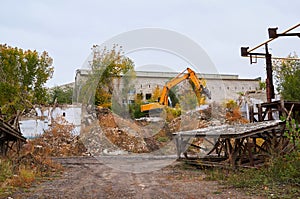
(34, 160)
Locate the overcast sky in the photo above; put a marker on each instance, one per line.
(68, 29)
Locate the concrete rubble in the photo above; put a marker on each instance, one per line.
(103, 132)
(112, 134)
(58, 141)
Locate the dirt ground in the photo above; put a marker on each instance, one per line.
(87, 177)
(135, 174)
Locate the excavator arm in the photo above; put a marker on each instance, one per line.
(199, 88)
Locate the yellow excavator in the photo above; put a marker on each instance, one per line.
(199, 87)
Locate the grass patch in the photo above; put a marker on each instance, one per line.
(280, 178)
(213, 174)
(22, 172)
(6, 170)
(33, 163)
(163, 139)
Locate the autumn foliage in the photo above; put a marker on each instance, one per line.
(233, 114)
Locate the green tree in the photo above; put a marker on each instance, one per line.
(262, 85)
(135, 108)
(107, 69)
(290, 86)
(61, 96)
(287, 77)
(23, 74)
(188, 100)
(173, 97)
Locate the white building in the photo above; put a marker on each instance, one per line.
(222, 86)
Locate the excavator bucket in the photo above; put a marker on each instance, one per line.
(206, 92)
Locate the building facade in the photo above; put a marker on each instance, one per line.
(222, 87)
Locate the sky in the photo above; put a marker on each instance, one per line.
(68, 29)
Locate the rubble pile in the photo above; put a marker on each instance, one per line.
(128, 135)
(95, 140)
(112, 134)
(58, 141)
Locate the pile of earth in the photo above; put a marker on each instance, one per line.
(107, 133)
(113, 134)
(57, 141)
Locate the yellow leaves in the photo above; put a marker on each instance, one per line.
(231, 104)
(233, 113)
(156, 94)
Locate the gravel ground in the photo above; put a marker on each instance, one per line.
(87, 177)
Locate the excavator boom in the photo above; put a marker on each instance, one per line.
(199, 88)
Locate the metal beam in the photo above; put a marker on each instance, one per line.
(269, 40)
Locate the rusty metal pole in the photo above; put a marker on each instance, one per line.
(269, 80)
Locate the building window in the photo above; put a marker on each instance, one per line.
(141, 86)
(228, 88)
(148, 96)
(242, 88)
(132, 92)
(149, 85)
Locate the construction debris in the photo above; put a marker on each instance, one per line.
(9, 135)
(58, 141)
(112, 134)
(104, 132)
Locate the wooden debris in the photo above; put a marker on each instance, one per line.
(8, 137)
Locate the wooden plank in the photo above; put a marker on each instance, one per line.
(260, 117)
(231, 131)
(4, 127)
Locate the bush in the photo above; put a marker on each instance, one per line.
(163, 139)
(24, 178)
(5, 169)
(172, 112)
(135, 110)
(280, 178)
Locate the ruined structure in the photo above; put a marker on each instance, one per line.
(222, 86)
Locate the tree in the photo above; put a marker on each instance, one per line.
(188, 100)
(173, 97)
(156, 93)
(61, 96)
(290, 86)
(107, 68)
(262, 85)
(287, 77)
(23, 74)
(135, 108)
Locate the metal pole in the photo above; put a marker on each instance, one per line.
(269, 80)
(286, 31)
(276, 58)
